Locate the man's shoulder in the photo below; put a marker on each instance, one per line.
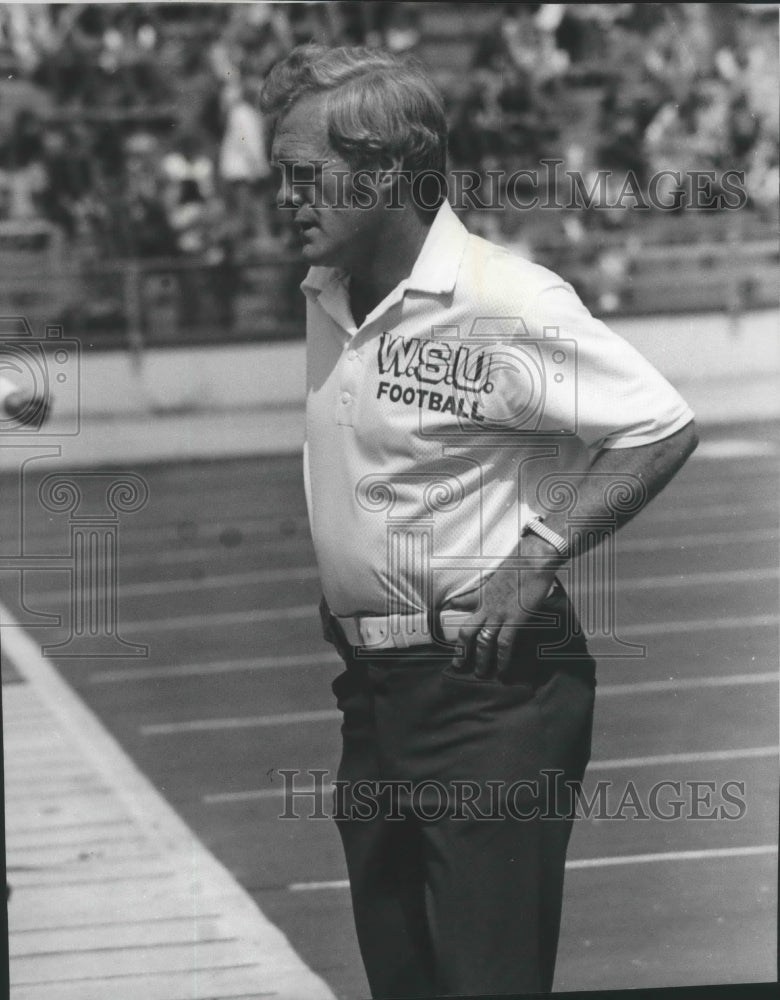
(494, 275)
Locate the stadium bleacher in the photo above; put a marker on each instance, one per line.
(600, 86)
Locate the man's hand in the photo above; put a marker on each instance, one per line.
(489, 636)
(509, 601)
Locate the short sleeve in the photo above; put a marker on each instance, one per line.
(621, 400)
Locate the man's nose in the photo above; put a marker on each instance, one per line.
(290, 194)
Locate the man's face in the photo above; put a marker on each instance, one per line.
(316, 184)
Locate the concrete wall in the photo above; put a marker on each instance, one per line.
(193, 379)
(687, 349)
(217, 402)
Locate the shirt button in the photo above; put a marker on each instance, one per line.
(345, 397)
(352, 355)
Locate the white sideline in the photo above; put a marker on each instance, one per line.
(265, 527)
(326, 658)
(619, 859)
(210, 880)
(184, 585)
(223, 723)
(292, 612)
(647, 543)
(702, 757)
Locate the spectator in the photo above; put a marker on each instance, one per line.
(22, 172)
(151, 231)
(243, 163)
(188, 191)
(68, 178)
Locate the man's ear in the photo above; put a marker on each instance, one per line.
(388, 172)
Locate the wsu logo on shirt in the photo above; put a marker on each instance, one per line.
(433, 363)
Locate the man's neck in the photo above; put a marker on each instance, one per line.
(392, 260)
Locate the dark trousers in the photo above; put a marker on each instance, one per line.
(454, 894)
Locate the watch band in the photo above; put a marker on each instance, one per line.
(536, 527)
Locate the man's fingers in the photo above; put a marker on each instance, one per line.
(504, 648)
(466, 636)
(485, 650)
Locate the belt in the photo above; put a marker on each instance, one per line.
(399, 631)
(402, 631)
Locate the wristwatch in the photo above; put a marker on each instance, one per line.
(536, 527)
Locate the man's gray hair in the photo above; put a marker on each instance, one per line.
(378, 105)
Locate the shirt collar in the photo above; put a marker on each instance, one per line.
(319, 278)
(436, 269)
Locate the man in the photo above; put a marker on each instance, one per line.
(456, 395)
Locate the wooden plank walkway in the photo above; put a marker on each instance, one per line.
(112, 894)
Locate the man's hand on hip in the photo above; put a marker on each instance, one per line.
(506, 605)
(509, 600)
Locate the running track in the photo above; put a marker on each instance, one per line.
(217, 578)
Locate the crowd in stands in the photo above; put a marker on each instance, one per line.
(134, 128)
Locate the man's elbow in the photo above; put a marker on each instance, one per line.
(690, 440)
(677, 449)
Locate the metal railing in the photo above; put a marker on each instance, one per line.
(167, 302)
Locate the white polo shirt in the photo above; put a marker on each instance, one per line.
(430, 426)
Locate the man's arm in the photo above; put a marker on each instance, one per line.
(503, 608)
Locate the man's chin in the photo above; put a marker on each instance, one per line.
(309, 254)
(317, 256)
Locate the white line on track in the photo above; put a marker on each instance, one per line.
(327, 658)
(162, 557)
(704, 511)
(177, 670)
(257, 615)
(267, 527)
(222, 618)
(702, 855)
(619, 859)
(623, 585)
(324, 715)
(295, 573)
(253, 795)
(686, 684)
(728, 448)
(238, 722)
(182, 585)
(670, 541)
(702, 757)
(167, 557)
(310, 610)
(699, 625)
(709, 538)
